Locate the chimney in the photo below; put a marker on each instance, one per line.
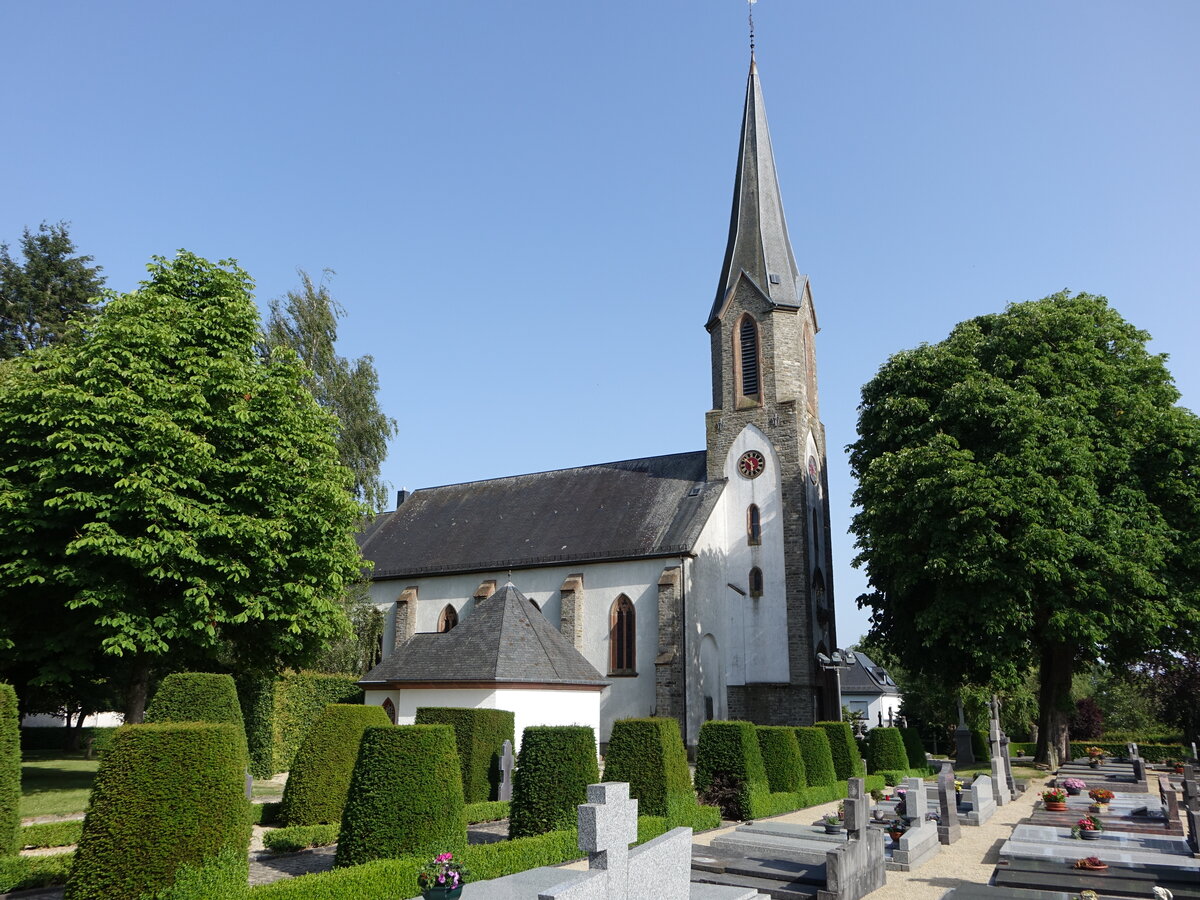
(401, 496)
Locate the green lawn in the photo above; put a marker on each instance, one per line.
(55, 784)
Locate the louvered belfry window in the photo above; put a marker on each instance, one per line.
(622, 641)
(748, 340)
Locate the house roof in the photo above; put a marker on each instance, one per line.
(631, 509)
(505, 640)
(867, 678)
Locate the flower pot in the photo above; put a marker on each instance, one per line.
(832, 829)
(442, 893)
(1089, 835)
(1095, 763)
(1073, 792)
(1056, 807)
(895, 836)
(1179, 770)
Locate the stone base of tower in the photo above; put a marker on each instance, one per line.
(774, 704)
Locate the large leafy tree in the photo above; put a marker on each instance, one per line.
(306, 321)
(166, 492)
(1028, 494)
(40, 293)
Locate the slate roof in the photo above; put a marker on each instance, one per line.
(632, 509)
(867, 678)
(505, 639)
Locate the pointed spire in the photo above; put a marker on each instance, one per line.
(758, 236)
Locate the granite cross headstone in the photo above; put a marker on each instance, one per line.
(506, 770)
(607, 826)
(1000, 792)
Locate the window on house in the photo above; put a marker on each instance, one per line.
(390, 708)
(756, 582)
(753, 526)
(622, 638)
(448, 618)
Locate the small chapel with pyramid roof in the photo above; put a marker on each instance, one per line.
(695, 585)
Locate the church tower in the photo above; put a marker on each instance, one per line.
(763, 325)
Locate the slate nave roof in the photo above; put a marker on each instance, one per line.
(632, 509)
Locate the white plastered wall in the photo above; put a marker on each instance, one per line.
(626, 696)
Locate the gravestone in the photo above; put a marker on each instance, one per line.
(1191, 807)
(506, 771)
(999, 780)
(949, 830)
(920, 841)
(983, 801)
(964, 753)
(855, 868)
(607, 826)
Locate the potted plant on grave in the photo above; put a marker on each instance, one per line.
(1055, 799)
(1088, 828)
(832, 823)
(442, 878)
(895, 828)
(1073, 785)
(1101, 797)
(1092, 862)
(958, 789)
(1175, 765)
(1095, 756)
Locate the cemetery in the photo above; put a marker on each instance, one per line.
(368, 806)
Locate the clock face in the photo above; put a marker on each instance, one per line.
(751, 464)
(814, 473)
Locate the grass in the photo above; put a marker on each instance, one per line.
(55, 784)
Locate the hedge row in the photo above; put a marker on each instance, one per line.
(165, 796)
(885, 750)
(298, 699)
(980, 746)
(895, 777)
(265, 813)
(300, 837)
(818, 757)
(51, 834)
(730, 771)
(317, 785)
(198, 697)
(649, 754)
(19, 873)
(491, 811)
(847, 760)
(914, 749)
(256, 695)
(782, 758)
(554, 768)
(405, 796)
(1149, 752)
(10, 772)
(480, 735)
(54, 739)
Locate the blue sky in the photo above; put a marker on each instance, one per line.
(526, 203)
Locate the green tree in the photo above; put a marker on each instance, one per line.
(41, 294)
(167, 492)
(306, 321)
(1028, 495)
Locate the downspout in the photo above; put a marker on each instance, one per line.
(683, 624)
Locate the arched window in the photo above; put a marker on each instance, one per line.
(390, 708)
(746, 370)
(448, 619)
(622, 638)
(753, 526)
(756, 582)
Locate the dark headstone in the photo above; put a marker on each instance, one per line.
(949, 830)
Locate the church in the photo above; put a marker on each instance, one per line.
(695, 585)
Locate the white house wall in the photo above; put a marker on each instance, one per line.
(626, 696)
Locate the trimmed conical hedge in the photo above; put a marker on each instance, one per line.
(166, 797)
(847, 760)
(554, 768)
(818, 758)
(405, 796)
(198, 697)
(782, 758)
(727, 760)
(10, 772)
(885, 750)
(650, 756)
(320, 777)
(914, 750)
(480, 735)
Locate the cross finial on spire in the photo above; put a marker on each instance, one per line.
(750, 10)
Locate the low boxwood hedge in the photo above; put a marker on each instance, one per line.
(52, 834)
(782, 758)
(818, 757)
(299, 837)
(650, 756)
(554, 768)
(20, 873)
(491, 811)
(10, 772)
(317, 785)
(847, 759)
(198, 697)
(265, 813)
(480, 735)
(1149, 752)
(914, 749)
(405, 796)
(165, 796)
(895, 777)
(885, 750)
